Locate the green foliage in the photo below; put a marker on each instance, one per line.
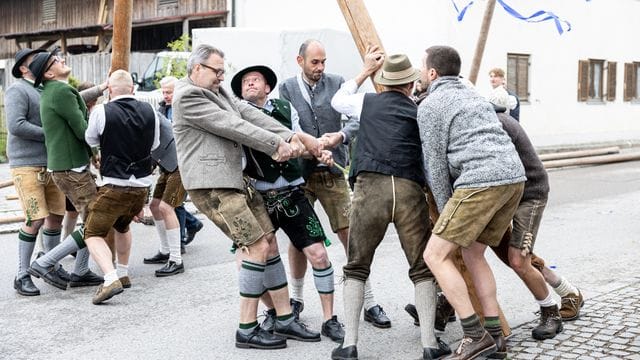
(74, 82)
(174, 67)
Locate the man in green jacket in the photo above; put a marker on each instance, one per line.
(64, 121)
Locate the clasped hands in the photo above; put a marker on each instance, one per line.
(302, 144)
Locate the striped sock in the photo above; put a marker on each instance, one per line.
(275, 276)
(50, 238)
(472, 328)
(251, 279)
(26, 244)
(246, 329)
(68, 246)
(323, 279)
(285, 320)
(492, 325)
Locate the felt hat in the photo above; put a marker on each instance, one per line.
(397, 70)
(269, 75)
(39, 66)
(21, 56)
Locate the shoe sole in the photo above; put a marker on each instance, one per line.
(155, 261)
(498, 355)
(111, 294)
(82, 284)
(26, 293)
(170, 274)
(52, 283)
(338, 340)
(486, 352)
(548, 336)
(292, 337)
(252, 346)
(380, 326)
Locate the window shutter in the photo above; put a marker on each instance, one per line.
(523, 78)
(628, 82)
(48, 11)
(583, 80)
(611, 80)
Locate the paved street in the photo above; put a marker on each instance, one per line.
(589, 235)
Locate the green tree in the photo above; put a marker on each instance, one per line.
(174, 66)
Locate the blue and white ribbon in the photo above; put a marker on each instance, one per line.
(538, 16)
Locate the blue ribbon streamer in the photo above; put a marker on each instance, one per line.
(538, 16)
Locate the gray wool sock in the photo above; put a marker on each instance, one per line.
(425, 293)
(26, 244)
(275, 277)
(81, 266)
(251, 279)
(68, 246)
(50, 239)
(369, 299)
(353, 300)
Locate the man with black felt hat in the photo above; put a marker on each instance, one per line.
(279, 184)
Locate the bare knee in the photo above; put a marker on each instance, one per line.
(317, 256)
(520, 264)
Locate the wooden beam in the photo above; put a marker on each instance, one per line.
(361, 27)
(11, 197)
(4, 184)
(11, 220)
(102, 18)
(122, 17)
(482, 41)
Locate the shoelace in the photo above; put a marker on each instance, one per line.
(464, 343)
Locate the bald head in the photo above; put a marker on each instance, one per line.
(120, 83)
(311, 59)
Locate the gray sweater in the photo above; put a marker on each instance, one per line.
(464, 145)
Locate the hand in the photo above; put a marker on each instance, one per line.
(373, 59)
(283, 152)
(311, 144)
(331, 140)
(95, 161)
(297, 147)
(326, 157)
(138, 218)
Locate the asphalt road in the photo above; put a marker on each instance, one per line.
(589, 234)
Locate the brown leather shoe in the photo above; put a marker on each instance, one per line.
(501, 348)
(550, 323)
(125, 281)
(571, 305)
(471, 349)
(105, 293)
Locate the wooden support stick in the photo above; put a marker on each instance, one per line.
(11, 220)
(482, 41)
(122, 17)
(579, 153)
(592, 160)
(11, 197)
(4, 184)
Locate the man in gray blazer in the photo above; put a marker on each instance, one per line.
(210, 128)
(310, 93)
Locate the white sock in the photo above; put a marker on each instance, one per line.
(296, 286)
(122, 270)
(565, 288)
(369, 299)
(425, 295)
(548, 301)
(110, 277)
(162, 234)
(173, 238)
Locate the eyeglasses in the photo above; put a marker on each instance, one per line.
(218, 72)
(55, 60)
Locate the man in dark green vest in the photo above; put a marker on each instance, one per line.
(279, 184)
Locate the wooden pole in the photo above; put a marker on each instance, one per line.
(579, 153)
(11, 220)
(4, 184)
(361, 27)
(122, 14)
(482, 41)
(592, 160)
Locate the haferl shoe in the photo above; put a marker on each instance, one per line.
(158, 258)
(48, 274)
(296, 330)
(260, 339)
(88, 279)
(269, 322)
(501, 348)
(191, 233)
(348, 353)
(550, 323)
(64, 275)
(376, 316)
(296, 308)
(471, 349)
(105, 293)
(333, 329)
(126, 282)
(444, 313)
(436, 353)
(25, 286)
(413, 312)
(170, 268)
(571, 304)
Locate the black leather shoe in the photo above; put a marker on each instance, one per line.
(191, 233)
(158, 258)
(269, 322)
(332, 329)
(413, 312)
(48, 274)
(348, 353)
(444, 313)
(296, 330)
(170, 268)
(64, 275)
(88, 279)
(260, 339)
(296, 308)
(436, 353)
(376, 316)
(25, 286)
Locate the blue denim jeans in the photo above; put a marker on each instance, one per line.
(186, 220)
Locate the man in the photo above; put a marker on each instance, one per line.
(189, 224)
(310, 93)
(499, 86)
(126, 130)
(210, 128)
(387, 163)
(64, 121)
(477, 180)
(279, 185)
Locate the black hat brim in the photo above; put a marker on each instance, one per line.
(269, 76)
(38, 67)
(15, 71)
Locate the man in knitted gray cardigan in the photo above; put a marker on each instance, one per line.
(477, 180)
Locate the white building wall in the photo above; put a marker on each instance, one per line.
(601, 29)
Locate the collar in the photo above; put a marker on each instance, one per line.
(122, 97)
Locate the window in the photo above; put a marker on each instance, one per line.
(518, 75)
(631, 81)
(591, 80)
(167, 3)
(48, 11)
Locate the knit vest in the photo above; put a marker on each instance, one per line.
(388, 139)
(261, 166)
(127, 138)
